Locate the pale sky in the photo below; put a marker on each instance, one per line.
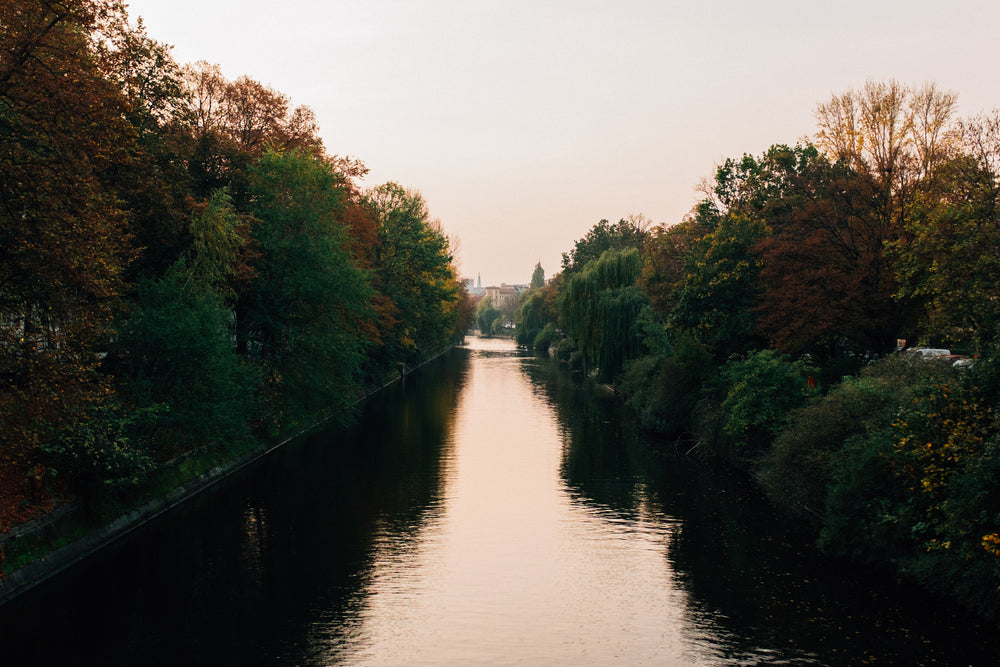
(525, 122)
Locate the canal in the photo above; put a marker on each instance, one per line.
(491, 510)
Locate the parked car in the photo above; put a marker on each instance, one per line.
(928, 352)
(938, 354)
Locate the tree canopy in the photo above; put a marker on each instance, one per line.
(183, 266)
(763, 328)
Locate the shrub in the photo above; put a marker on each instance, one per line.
(545, 337)
(797, 468)
(915, 484)
(99, 451)
(665, 390)
(762, 388)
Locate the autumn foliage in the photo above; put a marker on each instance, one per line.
(771, 327)
(183, 266)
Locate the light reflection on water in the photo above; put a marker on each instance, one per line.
(513, 566)
(494, 510)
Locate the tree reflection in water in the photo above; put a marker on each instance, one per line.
(756, 591)
(494, 509)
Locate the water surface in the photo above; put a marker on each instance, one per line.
(493, 510)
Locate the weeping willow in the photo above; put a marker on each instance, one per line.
(530, 317)
(598, 309)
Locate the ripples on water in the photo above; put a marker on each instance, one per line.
(547, 545)
(493, 511)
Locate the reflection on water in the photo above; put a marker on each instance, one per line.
(510, 567)
(495, 510)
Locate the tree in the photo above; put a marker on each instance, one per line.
(828, 279)
(897, 135)
(308, 316)
(762, 389)
(598, 308)
(538, 312)
(663, 260)
(146, 74)
(626, 233)
(155, 184)
(414, 270)
(181, 368)
(538, 276)
(235, 123)
(529, 320)
(258, 118)
(64, 240)
(487, 317)
(951, 254)
(721, 286)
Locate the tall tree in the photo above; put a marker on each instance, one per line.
(951, 254)
(721, 285)
(64, 241)
(487, 317)
(308, 315)
(538, 311)
(828, 279)
(599, 307)
(626, 233)
(413, 268)
(663, 260)
(155, 185)
(538, 276)
(895, 134)
(235, 123)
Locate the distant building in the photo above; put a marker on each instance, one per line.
(474, 287)
(505, 293)
(503, 297)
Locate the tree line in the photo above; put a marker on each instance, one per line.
(183, 266)
(775, 326)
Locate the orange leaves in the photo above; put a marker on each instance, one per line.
(64, 237)
(943, 455)
(991, 544)
(252, 116)
(23, 487)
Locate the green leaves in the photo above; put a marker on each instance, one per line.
(413, 269)
(179, 248)
(626, 233)
(598, 308)
(487, 317)
(308, 313)
(949, 259)
(177, 355)
(721, 286)
(762, 389)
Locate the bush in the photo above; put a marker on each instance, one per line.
(797, 468)
(543, 341)
(865, 506)
(762, 389)
(833, 456)
(915, 485)
(664, 391)
(99, 449)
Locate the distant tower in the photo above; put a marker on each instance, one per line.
(479, 281)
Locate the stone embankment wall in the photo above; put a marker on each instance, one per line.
(51, 527)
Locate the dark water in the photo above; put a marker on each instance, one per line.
(493, 511)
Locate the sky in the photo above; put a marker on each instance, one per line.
(524, 123)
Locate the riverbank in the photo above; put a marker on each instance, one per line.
(49, 544)
(892, 469)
